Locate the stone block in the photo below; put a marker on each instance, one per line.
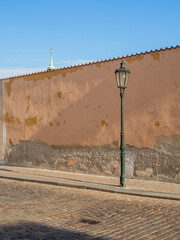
(82, 166)
(147, 173)
(63, 168)
(129, 164)
(92, 170)
(72, 162)
(117, 171)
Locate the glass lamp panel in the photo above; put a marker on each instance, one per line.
(117, 79)
(127, 79)
(122, 79)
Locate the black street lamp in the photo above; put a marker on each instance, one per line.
(122, 77)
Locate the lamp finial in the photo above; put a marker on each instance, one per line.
(123, 64)
(51, 66)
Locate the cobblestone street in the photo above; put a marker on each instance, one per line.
(37, 211)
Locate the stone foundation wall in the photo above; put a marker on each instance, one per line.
(161, 162)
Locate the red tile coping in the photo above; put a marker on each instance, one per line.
(95, 62)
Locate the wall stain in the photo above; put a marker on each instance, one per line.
(27, 109)
(64, 122)
(28, 99)
(12, 120)
(98, 65)
(31, 121)
(175, 83)
(135, 58)
(59, 94)
(57, 123)
(157, 124)
(18, 121)
(86, 106)
(104, 123)
(156, 56)
(41, 76)
(8, 86)
(51, 124)
(63, 72)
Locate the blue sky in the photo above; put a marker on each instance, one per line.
(82, 30)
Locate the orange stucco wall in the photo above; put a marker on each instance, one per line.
(82, 104)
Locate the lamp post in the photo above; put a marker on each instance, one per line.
(122, 77)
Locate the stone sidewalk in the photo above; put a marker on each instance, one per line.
(109, 184)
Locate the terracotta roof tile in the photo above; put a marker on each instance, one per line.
(95, 62)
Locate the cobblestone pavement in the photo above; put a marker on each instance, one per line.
(37, 211)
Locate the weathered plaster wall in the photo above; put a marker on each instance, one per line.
(81, 106)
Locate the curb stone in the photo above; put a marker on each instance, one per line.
(98, 187)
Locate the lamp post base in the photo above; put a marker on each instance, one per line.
(122, 181)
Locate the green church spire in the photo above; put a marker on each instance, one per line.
(51, 66)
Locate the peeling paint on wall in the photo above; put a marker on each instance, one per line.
(59, 94)
(41, 76)
(63, 72)
(104, 123)
(135, 58)
(57, 123)
(27, 109)
(98, 65)
(28, 99)
(31, 121)
(12, 120)
(48, 75)
(8, 86)
(156, 56)
(157, 124)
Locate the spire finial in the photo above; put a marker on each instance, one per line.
(51, 66)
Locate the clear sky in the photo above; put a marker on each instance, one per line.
(82, 30)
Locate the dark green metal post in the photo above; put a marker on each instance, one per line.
(122, 78)
(122, 146)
